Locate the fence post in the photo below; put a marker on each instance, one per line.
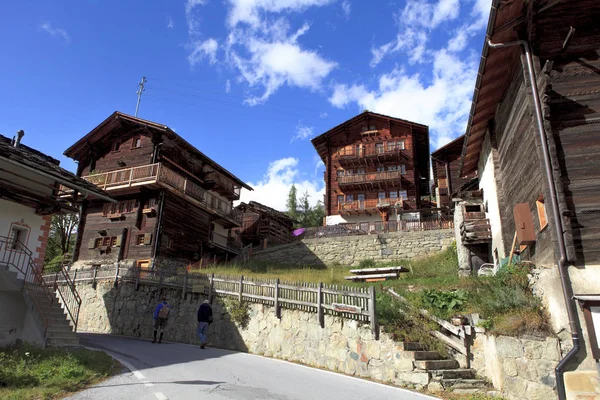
(185, 279)
(241, 287)
(277, 309)
(372, 313)
(94, 285)
(210, 287)
(138, 272)
(117, 276)
(320, 305)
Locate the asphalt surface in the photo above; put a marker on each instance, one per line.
(172, 371)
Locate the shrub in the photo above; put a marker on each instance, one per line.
(367, 263)
(239, 311)
(53, 265)
(443, 303)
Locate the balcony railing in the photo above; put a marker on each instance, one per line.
(225, 242)
(369, 204)
(370, 151)
(160, 174)
(369, 177)
(223, 185)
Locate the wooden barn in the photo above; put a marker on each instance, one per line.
(374, 164)
(261, 223)
(533, 139)
(174, 202)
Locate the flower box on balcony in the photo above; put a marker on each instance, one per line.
(114, 217)
(150, 212)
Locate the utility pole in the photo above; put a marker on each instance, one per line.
(139, 93)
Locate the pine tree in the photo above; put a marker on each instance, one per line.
(292, 203)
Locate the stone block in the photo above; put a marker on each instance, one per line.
(537, 391)
(403, 364)
(515, 386)
(509, 347)
(412, 378)
(509, 367)
(534, 349)
(526, 369)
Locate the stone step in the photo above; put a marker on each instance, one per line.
(465, 384)
(413, 346)
(458, 373)
(58, 321)
(60, 328)
(60, 334)
(436, 364)
(424, 355)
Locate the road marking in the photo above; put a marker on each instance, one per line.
(160, 396)
(130, 367)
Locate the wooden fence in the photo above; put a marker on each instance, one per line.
(350, 302)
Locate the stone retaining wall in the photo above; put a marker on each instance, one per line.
(351, 250)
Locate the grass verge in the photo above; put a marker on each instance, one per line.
(30, 372)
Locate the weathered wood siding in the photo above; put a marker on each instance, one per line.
(185, 228)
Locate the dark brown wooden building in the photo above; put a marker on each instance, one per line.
(373, 160)
(539, 156)
(446, 180)
(260, 223)
(174, 203)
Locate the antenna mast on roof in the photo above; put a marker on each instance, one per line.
(139, 93)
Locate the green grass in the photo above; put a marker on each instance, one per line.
(504, 301)
(31, 372)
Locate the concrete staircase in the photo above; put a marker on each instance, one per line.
(59, 331)
(444, 373)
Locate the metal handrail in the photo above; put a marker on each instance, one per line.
(14, 254)
(70, 297)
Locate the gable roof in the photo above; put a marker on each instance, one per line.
(43, 164)
(262, 209)
(80, 148)
(320, 142)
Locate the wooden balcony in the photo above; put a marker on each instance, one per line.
(160, 176)
(371, 180)
(371, 155)
(369, 206)
(222, 185)
(225, 243)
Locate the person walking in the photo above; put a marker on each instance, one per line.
(161, 315)
(204, 320)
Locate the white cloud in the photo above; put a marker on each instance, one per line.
(323, 115)
(411, 40)
(459, 41)
(303, 132)
(347, 8)
(442, 102)
(227, 86)
(249, 11)
(203, 49)
(57, 32)
(277, 60)
(170, 23)
(273, 189)
(192, 21)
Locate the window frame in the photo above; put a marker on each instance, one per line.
(403, 194)
(136, 142)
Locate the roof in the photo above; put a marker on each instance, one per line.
(493, 77)
(261, 208)
(46, 165)
(320, 141)
(80, 148)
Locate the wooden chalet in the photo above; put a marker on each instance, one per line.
(261, 223)
(374, 164)
(538, 156)
(174, 203)
(445, 162)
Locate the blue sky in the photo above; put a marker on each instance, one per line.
(248, 82)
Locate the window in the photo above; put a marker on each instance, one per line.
(391, 146)
(349, 172)
(400, 144)
(379, 148)
(349, 198)
(360, 171)
(403, 195)
(113, 241)
(541, 210)
(393, 167)
(381, 169)
(393, 195)
(117, 145)
(358, 150)
(140, 240)
(381, 195)
(106, 241)
(98, 242)
(136, 143)
(402, 169)
(340, 172)
(340, 199)
(19, 236)
(372, 128)
(361, 201)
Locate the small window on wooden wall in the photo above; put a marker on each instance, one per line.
(541, 210)
(117, 145)
(136, 143)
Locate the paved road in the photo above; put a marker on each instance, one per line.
(180, 371)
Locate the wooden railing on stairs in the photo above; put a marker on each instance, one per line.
(14, 255)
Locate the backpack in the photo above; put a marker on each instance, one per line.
(164, 312)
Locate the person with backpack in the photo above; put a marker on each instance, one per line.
(161, 315)
(204, 320)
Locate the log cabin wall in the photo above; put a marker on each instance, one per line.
(447, 186)
(414, 157)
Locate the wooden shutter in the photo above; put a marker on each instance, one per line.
(119, 240)
(92, 244)
(147, 238)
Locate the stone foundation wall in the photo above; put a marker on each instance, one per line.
(519, 368)
(351, 250)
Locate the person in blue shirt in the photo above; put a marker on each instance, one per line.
(161, 315)
(204, 320)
